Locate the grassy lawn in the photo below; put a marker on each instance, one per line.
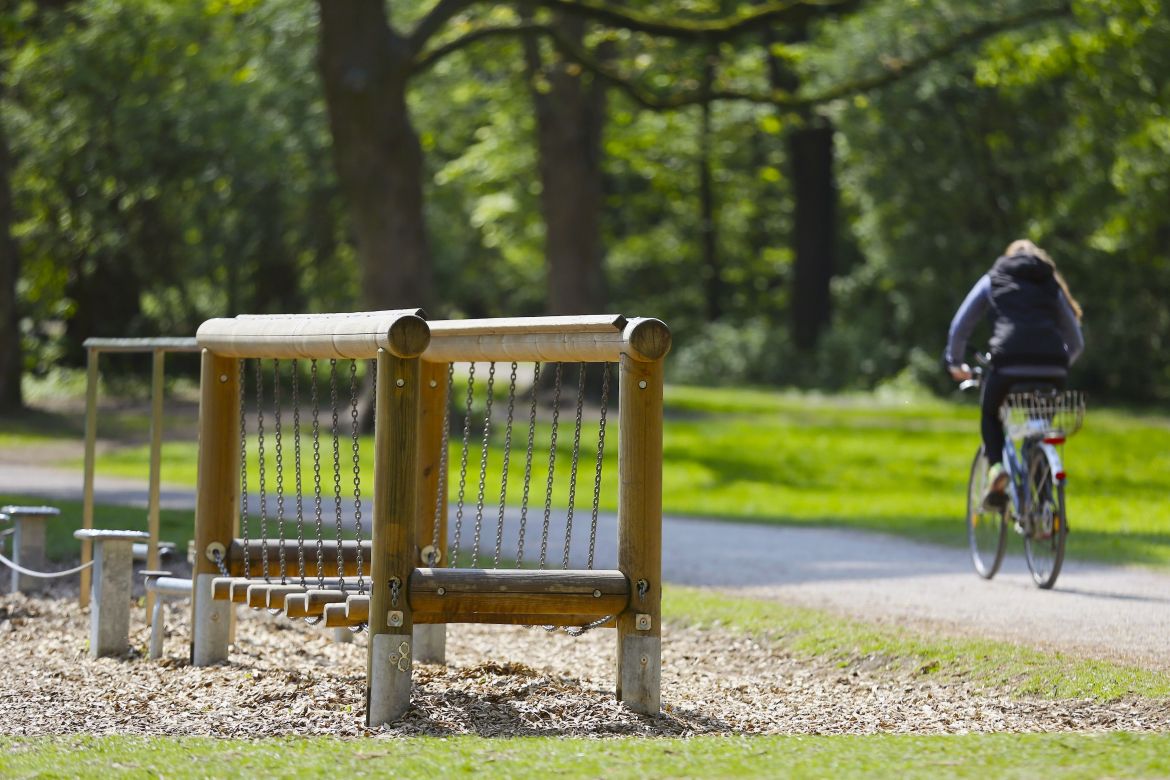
(866, 461)
(883, 755)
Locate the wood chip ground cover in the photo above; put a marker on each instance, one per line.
(290, 678)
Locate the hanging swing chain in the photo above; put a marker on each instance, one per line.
(441, 491)
(573, 468)
(528, 466)
(552, 459)
(600, 457)
(260, 478)
(453, 553)
(317, 472)
(483, 457)
(279, 467)
(296, 404)
(244, 466)
(337, 501)
(357, 479)
(504, 468)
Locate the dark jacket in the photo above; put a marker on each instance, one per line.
(1025, 299)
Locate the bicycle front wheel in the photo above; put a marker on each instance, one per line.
(986, 526)
(1047, 527)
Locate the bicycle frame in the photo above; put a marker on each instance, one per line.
(1015, 459)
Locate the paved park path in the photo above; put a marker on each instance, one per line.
(1110, 612)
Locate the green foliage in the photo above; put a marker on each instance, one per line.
(172, 166)
(1056, 133)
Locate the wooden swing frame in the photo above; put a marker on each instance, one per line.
(412, 357)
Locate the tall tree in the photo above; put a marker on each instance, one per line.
(11, 354)
(570, 113)
(367, 65)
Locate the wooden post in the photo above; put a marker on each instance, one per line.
(217, 502)
(396, 486)
(639, 629)
(91, 391)
(152, 510)
(430, 641)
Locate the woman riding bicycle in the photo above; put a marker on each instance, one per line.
(1036, 337)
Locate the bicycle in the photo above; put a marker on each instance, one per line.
(1037, 420)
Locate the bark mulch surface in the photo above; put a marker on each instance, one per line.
(291, 678)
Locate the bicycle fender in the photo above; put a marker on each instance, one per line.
(1054, 461)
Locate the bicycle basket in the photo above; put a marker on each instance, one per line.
(1039, 413)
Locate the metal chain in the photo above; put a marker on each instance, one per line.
(337, 502)
(296, 404)
(483, 457)
(600, 457)
(504, 470)
(317, 474)
(441, 491)
(260, 454)
(453, 552)
(528, 466)
(279, 467)
(217, 557)
(552, 459)
(244, 466)
(357, 474)
(573, 466)
(579, 630)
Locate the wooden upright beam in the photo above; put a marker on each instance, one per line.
(157, 377)
(430, 641)
(395, 514)
(217, 502)
(639, 655)
(87, 499)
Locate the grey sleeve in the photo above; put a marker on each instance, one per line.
(1070, 330)
(970, 312)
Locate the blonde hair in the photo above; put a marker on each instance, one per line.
(1023, 246)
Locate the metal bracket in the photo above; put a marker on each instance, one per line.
(394, 618)
(643, 622)
(430, 555)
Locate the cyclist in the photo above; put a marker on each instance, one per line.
(1036, 336)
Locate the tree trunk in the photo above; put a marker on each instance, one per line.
(811, 153)
(365, 67)
(11, 357)
(570, 112)
(712, 273)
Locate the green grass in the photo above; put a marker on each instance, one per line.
(175, 525)
(870, 461)
(878, 755)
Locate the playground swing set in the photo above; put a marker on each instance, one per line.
(400, 585)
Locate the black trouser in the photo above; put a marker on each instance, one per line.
(996, 387)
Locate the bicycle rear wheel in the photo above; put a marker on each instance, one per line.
(1047, 526)
(986, 526)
